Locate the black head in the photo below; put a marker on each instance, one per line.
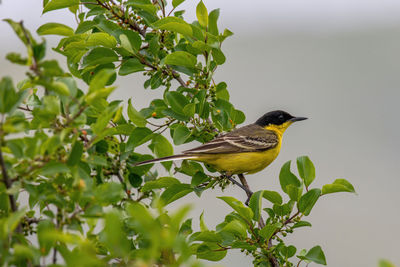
(277, 117)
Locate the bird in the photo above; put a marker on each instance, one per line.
(245, 150)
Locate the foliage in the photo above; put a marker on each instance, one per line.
(70, 151)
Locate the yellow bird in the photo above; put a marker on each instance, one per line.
(245, 150)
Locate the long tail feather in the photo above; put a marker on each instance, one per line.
(169, 158)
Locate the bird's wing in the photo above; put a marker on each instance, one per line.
(250, 138)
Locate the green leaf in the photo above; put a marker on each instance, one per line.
(52, 28)
(16, 58)
(222, 92)
(199, 178)
(306, 169)
(99, 55)
(100, 80)
(238, 116)
(9, 99)
(238, 206)
(109, 193)
(181, 58)
(59, 4)
(301, 224)
(171, 113)
(236, 227)
(162, 148)
(203, 226)
(45, 241)
(85, 26)
(176, 3)
(114, 238)
(175, 192)
(162, 182)
(101, 38)
(76, 154)
(308, 200)
(177, 101)
(288, 252)
(101, 93)
(256, 204)
(173, 24)
(339, 185)
(14, 219)
(103, 120)
(273, 196)
(135, 180)
(218, 56)
(53, 168)
(212, 22)
(385, 263)
(131, 41)
(284, 209)
(190, 109)
(59, 87)
(202, 14)
(139, 135)
(316, 255)
(143, 5)
(210, 251)
(267, 231)
(181, 134)
(129, 66)
(286, 177)
(294, 192)
(97, 160)
(135, 116)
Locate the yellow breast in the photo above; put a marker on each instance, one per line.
(247, 162)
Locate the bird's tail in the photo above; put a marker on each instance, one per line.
(169, 158)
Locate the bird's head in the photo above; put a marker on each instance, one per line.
(277, 120)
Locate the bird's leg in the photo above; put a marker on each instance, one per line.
(235, 182)
(246, 187)
(249, 193)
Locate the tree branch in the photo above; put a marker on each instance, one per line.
(8, 183)
(261, 224)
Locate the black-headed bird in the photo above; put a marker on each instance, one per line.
(245, 150)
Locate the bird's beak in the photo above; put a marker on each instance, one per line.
(298, 119)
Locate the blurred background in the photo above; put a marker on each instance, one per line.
(336, 62)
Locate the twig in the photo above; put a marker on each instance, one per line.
(34, 67)
(123, 184)
(132, 24)
(238, 184)
(246, 185)
(274, 262)
(25, 108)
(81, 110)
(8, 184)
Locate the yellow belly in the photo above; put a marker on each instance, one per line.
(236, 163)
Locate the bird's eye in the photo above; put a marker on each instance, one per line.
(281, 117)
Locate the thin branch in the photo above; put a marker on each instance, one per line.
(121, 180)
(132, 24)
(81, 110)
(25, 108)
(34, 67)
(8, 184)
(261, 224)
